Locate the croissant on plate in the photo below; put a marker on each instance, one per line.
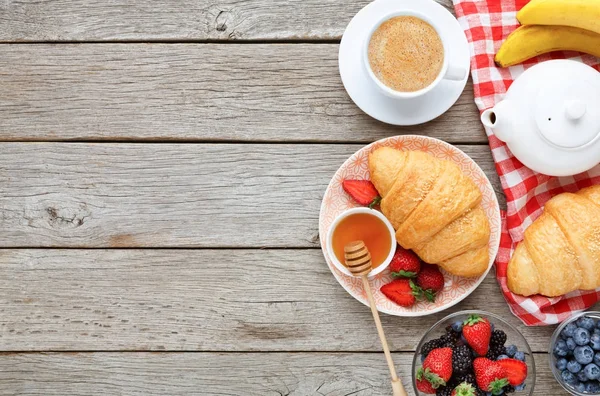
(434, 208)
(560, 251)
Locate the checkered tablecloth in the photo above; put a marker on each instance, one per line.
(486, 24)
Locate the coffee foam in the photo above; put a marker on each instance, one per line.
(406, 53)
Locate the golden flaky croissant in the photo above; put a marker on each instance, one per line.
(434, 208)
(560, 251)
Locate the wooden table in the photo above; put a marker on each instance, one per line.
(151, 153)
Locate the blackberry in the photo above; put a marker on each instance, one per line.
(469, 377)
(495, 351)
(462, 360)
(430, 346)
(444, 391)
(498, 338)
(450, 338)
(509, 389)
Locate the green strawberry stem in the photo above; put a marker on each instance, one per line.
(375, 202)
(404, 274)
(496, 386)
(420, 294)
(465, 389)
(472, 319)
(435, 380)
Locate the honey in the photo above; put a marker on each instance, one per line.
(363, 227)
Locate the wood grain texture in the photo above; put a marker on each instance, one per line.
(191, 92)
(170, 195)
(200, 300)
(246, 374)
(83, 20)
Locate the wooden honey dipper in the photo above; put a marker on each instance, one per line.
(358, 261)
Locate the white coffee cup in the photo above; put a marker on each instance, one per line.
(447, 72)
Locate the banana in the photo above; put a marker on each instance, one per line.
(529, 41)
(584, 14)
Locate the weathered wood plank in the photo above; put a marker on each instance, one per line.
(247, 374)
(194, 93)
(169, 195)
(199, 300)
(81, 20)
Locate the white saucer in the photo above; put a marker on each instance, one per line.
(367, 96)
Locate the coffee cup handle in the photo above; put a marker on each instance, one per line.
(455, 73)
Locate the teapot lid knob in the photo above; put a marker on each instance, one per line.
(575, 109)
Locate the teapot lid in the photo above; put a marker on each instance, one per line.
(567, 111)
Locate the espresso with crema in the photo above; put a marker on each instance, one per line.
(406, 53)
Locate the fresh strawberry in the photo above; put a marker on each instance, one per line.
(362, 191)
(401, 291)
(516, 370)
(437, 368)
(425, 386)
(405, 264)
(430, 280)
(464, 389)
(490, 375)
(477, 331)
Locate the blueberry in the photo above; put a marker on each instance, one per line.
(581, 336)
(502, 357)
(560, 349)
(457, 326)
(595, 341)
(569, 330)
(512, 349)
(521, 387)
(584, 354)
(580, 387)
(561, 364)
(597, 359)
(571, 343)
(586, 322)
(592, 387)
(592, 371)
(581, 376)
(569, 378)
(598, 324)
(520, 356)
(573, 366)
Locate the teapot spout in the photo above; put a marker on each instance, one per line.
(498, 119)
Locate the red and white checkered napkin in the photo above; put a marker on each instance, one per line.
(486, 24)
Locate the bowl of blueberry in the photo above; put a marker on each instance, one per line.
(575, 354)
(473, 353)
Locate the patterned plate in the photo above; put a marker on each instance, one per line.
(336, 201)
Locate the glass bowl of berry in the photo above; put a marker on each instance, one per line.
(473, 353)
(575, 354)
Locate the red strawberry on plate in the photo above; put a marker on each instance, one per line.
(362, 191)
(400, 291)
(477, 331)
(405, 264)
(516, 370)
(431, 280)
(490, 375)
(436, 370)
(464, 389)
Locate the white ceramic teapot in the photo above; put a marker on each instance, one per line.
(550, 118)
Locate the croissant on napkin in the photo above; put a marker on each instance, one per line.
(434, 208)
(560, 251)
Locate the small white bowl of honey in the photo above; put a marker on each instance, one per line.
(362, 224)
